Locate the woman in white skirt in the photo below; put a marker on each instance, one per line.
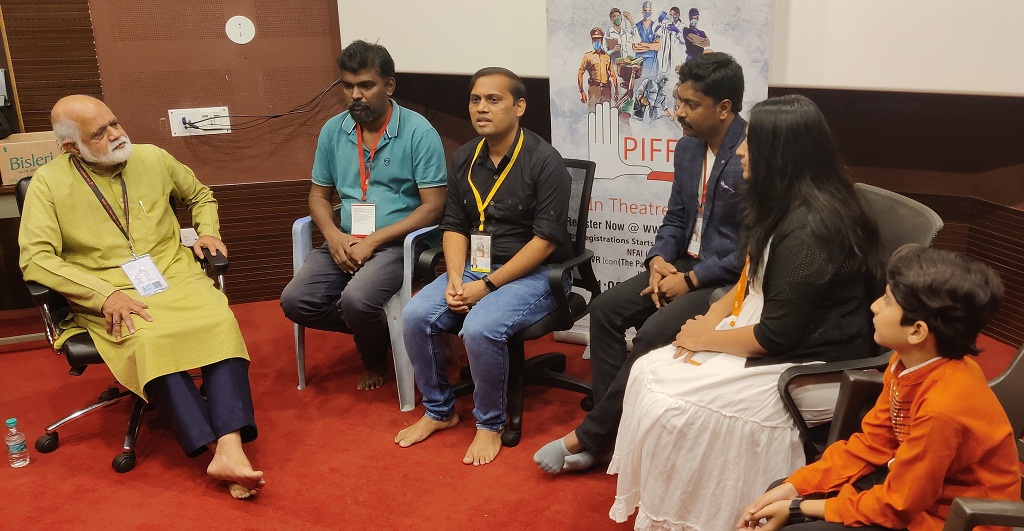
(703, 427)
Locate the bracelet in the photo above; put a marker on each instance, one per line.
(689, 282)
(490, 285)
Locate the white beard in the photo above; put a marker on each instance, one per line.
(112, 157)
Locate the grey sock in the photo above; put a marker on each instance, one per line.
(580, 461)
(552, 456)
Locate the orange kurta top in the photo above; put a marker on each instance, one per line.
(943, 434)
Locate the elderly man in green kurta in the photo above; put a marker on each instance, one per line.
(98, 228)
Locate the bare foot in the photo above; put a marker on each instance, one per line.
(239, 492)
(422, 428)
(484, 448)
(371, 379)
(234, 468)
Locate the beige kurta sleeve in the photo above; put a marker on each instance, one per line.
(41, 245)
(195, 195)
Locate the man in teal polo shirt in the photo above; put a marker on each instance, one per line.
(387, 165)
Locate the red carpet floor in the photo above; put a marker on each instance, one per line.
(327, 453)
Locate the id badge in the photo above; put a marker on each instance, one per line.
(694, 247)
(144, 275)
(480, 252)
(364, 219)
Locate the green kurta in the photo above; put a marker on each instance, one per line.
(69, 243)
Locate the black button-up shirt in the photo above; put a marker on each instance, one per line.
(533, 200)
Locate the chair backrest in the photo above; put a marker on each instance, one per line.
(1010, 392)
(900, 220)
(20, 190)
(582, 174)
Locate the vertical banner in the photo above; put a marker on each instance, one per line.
(613, 68)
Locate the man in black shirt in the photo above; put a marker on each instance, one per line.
(507, 207)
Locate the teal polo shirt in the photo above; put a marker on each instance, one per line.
(409, 157)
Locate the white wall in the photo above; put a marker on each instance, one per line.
(951, 46)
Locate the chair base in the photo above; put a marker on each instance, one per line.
(546, 369)
(124, 461)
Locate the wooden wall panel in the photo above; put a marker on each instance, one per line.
(53, 54)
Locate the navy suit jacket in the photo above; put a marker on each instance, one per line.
(720, 260)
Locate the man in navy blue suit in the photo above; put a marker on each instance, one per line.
(694, 252)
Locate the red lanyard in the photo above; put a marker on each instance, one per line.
(364, 172)
(106, 204)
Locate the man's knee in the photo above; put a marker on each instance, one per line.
(479, 329)
(291, 301)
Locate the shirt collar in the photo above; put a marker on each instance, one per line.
(485, 153)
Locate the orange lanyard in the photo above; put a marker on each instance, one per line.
(704, 178)
(481, 204)
(741, 292)
(364, 172)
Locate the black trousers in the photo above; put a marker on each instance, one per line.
(611, 314)
(198, 421)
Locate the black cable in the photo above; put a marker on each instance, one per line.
(260, 119)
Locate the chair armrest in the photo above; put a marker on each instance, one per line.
(215, 263)
(808, 369)
(427, 262)
(45, 297)
(858, 391)
(302, 239)
(557, 273)
(967, 513)
(410, 266)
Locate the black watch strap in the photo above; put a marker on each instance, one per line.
(796, 516)
(490, 285)
(689, 282)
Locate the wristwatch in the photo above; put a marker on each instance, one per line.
(796, 516)
(490, 285)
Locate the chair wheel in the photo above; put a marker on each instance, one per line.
(109, 394)
(124, 462)
(47, 443)
(587, 403)
(510, 438)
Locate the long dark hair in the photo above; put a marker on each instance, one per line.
(793, 164)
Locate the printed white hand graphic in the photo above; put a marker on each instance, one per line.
(605, 144)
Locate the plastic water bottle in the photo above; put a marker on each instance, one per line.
(17, 452)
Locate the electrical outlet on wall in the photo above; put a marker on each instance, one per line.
(199, 121)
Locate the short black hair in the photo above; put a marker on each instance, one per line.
(613, 11)
(952, 293)
(716, 75)
(360, 55)
(516, 86)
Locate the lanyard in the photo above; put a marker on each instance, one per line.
(481, 205)
(106, 204)
(364, 172)
(704, 178)
(741, 292)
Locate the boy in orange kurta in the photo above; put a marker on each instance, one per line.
(937, 431)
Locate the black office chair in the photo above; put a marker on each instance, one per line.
(901, 221)
(860, 389)
(547, 369)
(80, 352)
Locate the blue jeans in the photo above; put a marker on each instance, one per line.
(484, 330)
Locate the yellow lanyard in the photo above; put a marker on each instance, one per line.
(741, 293)
(481, 205)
